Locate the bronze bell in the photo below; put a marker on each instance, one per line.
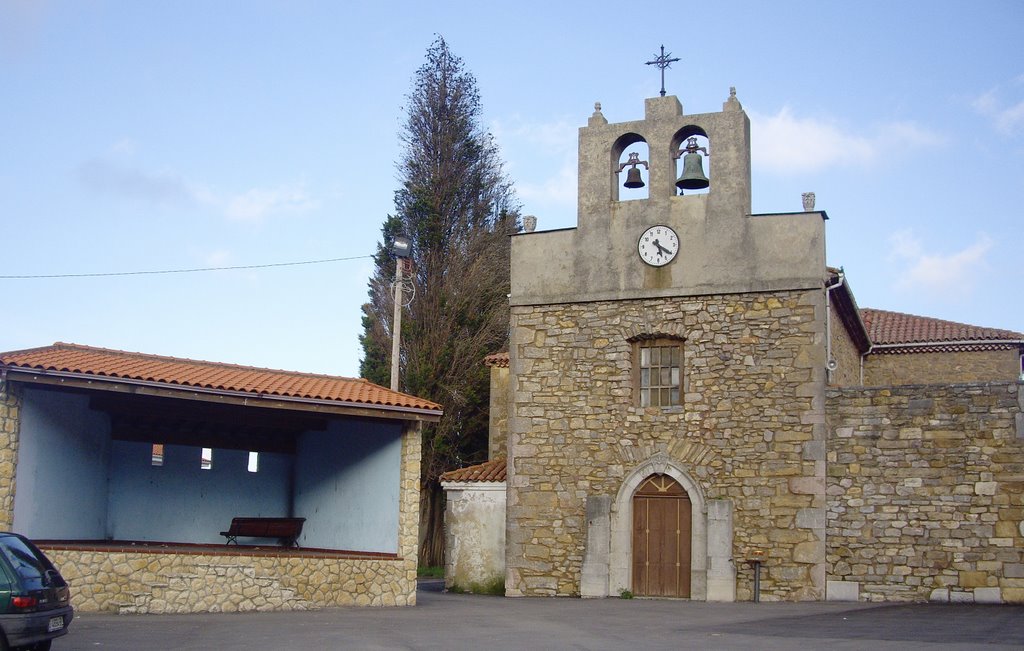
(633, 179)
(692, 177)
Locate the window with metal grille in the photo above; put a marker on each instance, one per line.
(658, 369)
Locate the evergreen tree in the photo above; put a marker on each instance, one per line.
(458, 209)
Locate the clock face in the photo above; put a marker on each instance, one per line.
(658, 246)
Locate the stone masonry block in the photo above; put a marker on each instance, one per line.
(810, 518)
(814, 451)
(985, 488)
(973, 579)
(807, 485)
(988, 596)
(1013, 570)
(842, 591)
(939, 595)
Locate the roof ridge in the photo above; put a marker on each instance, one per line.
(81, 361)
(935, 320)
(170, 358)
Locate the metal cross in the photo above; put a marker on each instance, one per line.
(663, 61)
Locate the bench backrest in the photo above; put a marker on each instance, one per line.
(267, 527)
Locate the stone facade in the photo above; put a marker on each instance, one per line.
(916, 494)
(926, 492)
(939, 367)
(751, 429)
(10, 421)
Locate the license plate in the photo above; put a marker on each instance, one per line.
(56, 623)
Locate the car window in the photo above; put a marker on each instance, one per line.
(28, 563)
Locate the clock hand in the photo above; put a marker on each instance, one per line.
(661, 248)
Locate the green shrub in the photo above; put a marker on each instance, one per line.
(495, 586)
(432, 572)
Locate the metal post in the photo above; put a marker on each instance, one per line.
(757, 581)
(396, 333)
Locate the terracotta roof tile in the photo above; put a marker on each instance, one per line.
(895, 329)
(494, 470)
(175, 371)
(497, 359)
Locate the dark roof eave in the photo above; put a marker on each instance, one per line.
(245, 398)
(849, 314)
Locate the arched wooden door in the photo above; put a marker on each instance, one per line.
(661, 538)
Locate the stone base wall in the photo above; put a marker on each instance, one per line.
(751, 430)
(926, 492)
(129, 582)
(10, 424)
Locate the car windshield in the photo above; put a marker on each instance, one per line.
(29, 563)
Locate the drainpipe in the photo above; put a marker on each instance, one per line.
(830, 363)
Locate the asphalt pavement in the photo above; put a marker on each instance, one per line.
(452, 621)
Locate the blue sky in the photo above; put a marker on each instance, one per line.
(144, 136)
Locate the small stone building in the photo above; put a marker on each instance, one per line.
(475, 526)
(125, 468)
(691, 389)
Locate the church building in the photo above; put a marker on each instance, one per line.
(693, 405)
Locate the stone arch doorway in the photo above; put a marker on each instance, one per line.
(620, 570)
(661, 538)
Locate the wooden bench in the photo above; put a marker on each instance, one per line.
(286, 530)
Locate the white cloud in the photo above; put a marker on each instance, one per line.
(219, 258)
(939, 273)
(1007, 118)
(786, 144)
(125, 147)
(160, 188)
(165, 188)
(533, 150)
(257, 203)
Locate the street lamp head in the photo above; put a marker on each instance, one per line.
(401, 246)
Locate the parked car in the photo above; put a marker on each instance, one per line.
(35, 602)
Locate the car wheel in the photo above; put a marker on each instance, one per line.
(39, 646)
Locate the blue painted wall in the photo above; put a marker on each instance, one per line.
(63, 459)
(181, 502)
(75, 483)
(347, 486)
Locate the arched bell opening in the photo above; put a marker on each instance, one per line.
(631, 168)
(691, 149)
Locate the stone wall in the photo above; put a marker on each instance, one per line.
(497, 432)
(10, 422)
(941, 367)
(157, 583)
(751, 429)
(926, 492)
(844, 352)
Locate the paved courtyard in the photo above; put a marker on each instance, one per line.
(449, 621)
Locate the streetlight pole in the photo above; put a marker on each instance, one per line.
(401, 247)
